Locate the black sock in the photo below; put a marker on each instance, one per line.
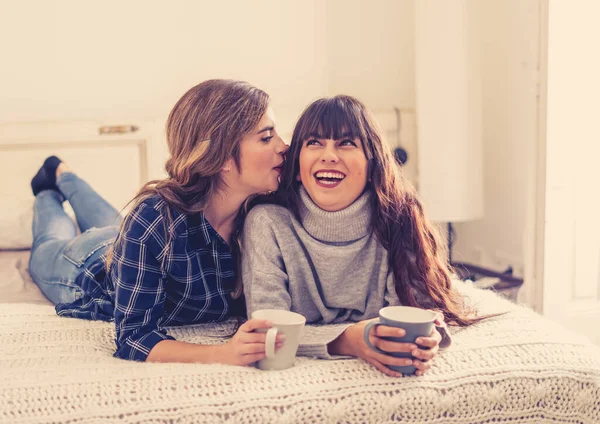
(42, 182)
(50, 165)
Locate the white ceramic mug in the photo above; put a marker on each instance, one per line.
(285, 322)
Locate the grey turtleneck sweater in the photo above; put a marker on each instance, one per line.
(328, 267)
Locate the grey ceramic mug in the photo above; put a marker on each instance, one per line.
(415, 321)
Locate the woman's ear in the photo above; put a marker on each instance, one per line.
(298, 178)
(227, 166)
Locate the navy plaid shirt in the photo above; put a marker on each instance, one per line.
(150, 286)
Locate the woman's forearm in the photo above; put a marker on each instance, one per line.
(176, 351)
(342, 345)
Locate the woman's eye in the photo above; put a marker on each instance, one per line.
(312, 142)
(267, 138)
(347, 142)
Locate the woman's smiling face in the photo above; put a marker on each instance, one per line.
(333, 171)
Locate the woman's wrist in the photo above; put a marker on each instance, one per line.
(218, 354)
(343, 344)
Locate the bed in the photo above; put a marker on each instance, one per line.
(517, 368)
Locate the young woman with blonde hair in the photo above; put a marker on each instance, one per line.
(345, 236)
(173, 259)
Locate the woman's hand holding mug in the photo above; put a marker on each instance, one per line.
(248, 346)
(388, 347)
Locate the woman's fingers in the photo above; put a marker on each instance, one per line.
(385, 331)
(428, 342)
(251, 358)
(389, 360)
(251, 348)
(425, 355)
(425, 343)
(421, 366)
(255, 324)
(435, 334)
(390, 346)
(382, 365)
(259, 337)
(427, 350)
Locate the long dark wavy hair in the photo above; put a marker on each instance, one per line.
(204, 130)
(415, 254)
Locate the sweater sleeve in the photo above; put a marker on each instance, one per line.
(266, 282)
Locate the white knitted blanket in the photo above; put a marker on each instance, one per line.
(517, 368)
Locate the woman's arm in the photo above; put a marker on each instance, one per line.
(140, 295)
(244, 348)
(176, 351)
(266, 280)
(139, 283)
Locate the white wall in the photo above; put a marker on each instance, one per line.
(509, 50)
(371, 51)
(571, 251)
(67, 59)
(371, 55)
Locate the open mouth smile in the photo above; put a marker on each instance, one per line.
(329, 179)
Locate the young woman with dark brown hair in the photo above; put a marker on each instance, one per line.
(343, 237)
(172, 260)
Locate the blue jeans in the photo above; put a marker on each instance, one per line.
(58, 254)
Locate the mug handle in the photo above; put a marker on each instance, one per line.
(366, 335)
(270, 342)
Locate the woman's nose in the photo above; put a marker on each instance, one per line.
(282, 147)
(329, 156)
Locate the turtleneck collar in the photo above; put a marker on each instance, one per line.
(349, 224)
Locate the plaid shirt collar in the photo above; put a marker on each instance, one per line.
(208, 233)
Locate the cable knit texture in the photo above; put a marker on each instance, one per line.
(518, 368)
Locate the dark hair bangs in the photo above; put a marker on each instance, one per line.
(332, 118)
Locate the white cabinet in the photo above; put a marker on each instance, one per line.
(115, 165)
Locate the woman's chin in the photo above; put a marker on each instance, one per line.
(268, 190)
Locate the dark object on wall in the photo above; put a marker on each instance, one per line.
(401, 155)
(502, 282)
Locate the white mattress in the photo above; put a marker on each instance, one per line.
(15, 283)
(518, 368)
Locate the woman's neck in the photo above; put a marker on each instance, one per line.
(347, 225)
(221, 210)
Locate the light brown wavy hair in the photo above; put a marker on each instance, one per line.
(415, 253)
(204, 130)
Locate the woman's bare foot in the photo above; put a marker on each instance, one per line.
(62, 167)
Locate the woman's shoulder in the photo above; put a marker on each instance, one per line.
(150, 214)
(151, 208)
(268, 215)
(155, 205)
